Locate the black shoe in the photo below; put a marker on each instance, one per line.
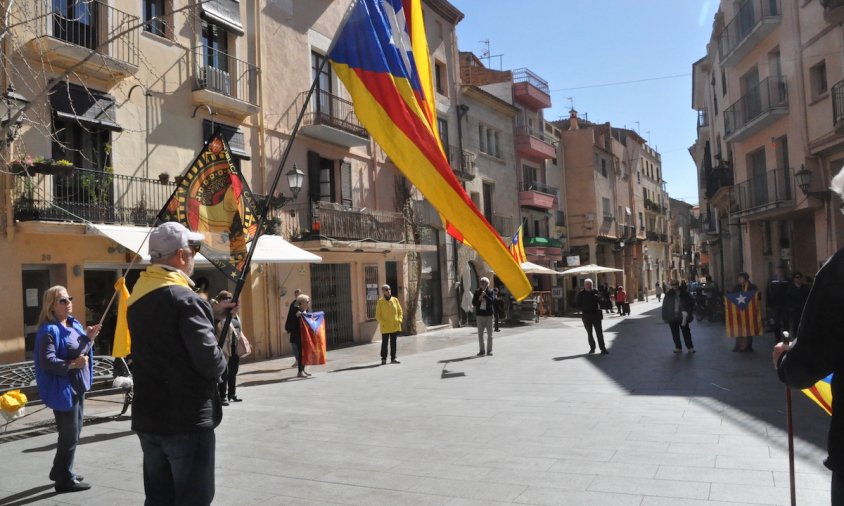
(605, 352)
(235, 399)
(394, 361)
(77, 477)
(592, 351)
(71, 486)
(489, 354)
(481, 354)
(224, 402)
(383, 361)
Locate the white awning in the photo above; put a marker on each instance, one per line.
(271, 249)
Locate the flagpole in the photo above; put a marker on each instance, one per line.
(790, 431)
(265, 211)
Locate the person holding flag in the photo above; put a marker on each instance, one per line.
(818, 351)
(743, 317)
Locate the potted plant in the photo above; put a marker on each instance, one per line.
(63, 168)
(21, 166)
(164, 178)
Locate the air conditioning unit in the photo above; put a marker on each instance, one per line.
(214, 79)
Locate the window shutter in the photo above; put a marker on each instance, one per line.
(313, 176)
(346, 184)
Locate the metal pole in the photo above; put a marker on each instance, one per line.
(790, 431)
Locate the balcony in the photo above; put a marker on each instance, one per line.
(530, 89)
(224, 82)
(331, 119)
(833, 11)
(65, 34)
(719, 177)
(504, 225)
(537, 195)
(534, 143)
(543, 248)
(89, 195)
(754, 21)
(838, 107)
(332, 221)
(766, 193)
(651, 235)
(757, 109)
(462, 163)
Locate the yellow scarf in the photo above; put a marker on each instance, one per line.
(155, 277)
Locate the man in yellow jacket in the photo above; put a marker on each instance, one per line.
(389, 315)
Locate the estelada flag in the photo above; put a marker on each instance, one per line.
(381, 55)
(213, 198)
(821, 393)
(742, 315)
(313, 338)
(517, 246)
(122, 339)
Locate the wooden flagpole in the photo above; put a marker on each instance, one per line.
(790, 431)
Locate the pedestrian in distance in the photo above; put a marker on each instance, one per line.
(677, 313)
(606, 301)
(496, 308)
(589, 301)
(777, 298)
(818, 351)
(621, 301)
(389, 315)
(295, 347)
(230, 344)
(293, 325)
(177, 366)
(743, 284)
(658, 291)
(64, 365)
(796, 298)
(484, 303)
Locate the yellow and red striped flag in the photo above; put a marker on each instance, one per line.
(381, 55)
(821, 393)
(517, 246)
(742, 315)
(313, 338)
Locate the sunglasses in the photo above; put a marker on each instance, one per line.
(194, 246)
(386, 289)
(223, 298)
(65, 300)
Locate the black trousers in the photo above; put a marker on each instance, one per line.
(675, 334)
(837, 491)
(594, 323)
(391, 339)
(228, 382)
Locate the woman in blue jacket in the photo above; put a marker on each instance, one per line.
(64, 365)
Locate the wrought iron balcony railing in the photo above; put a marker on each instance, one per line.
(774, 188)
(524, 75)
(751, 15)
(532, 132)
(838, 106)
(462, 162)
(539, 187)
(224, 74)
(769, 95)
(328, 220)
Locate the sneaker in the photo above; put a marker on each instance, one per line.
(301, 375)
(394, 361)
(692, 350)
(592, 351)
(677, 350)
(383, 361)
(489, 354)
(224, 402)
(307, 374)
(481, 354)
(235, 399)
(71, 486)
(605, 352)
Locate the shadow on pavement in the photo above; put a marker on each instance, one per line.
(269, 382)
(358, 367)
(461, 359)
(27, 496)
(264, 371)
(85, 440)
(570, 357)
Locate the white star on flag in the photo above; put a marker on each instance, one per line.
(741, 299)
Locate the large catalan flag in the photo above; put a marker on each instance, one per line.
(517, 246)
(214, 199)
(742, 315)
(313, 338)
(821, 393)
(381, 55)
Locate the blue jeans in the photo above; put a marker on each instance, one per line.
(69, 426)
(179, 469)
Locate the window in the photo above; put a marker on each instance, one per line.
(154, 20)
(817, 76)
(346, 184)
(215, 42)
(607, 207)
(497, 150)
(639, 176)
(321, 99)
(603, 167)
(76, 22)
(489, 141)
(320, 178)
(442, 130)
(373, 289)
(529, 175)
(488, 189)
(440, 78)
(481, 138)
(641, 221)
(723, 83)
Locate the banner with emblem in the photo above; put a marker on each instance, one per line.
(742, 315)
(313, 338)
(214, 199)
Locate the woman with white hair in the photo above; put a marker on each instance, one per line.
(484, 303)
(818, 351)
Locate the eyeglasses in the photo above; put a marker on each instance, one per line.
(386, 289)
(194, 247)
(65, 300)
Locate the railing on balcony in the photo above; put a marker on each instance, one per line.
(462, 162)
(774, 188)
(539, 187)
(328, 109)
(328, 220)
(769, 95)
(90, 24)
(524, 75)
(702, 119)
(719, 177)
(651, 235)
(838, 106)
(90, 195)
(224, 74)
(503, 224)
(832, 4)
(751, 14)
(532, 132)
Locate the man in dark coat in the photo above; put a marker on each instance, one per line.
(818, 351)
(677, 313)
(777, 295)
(484, 303)
(796, 298)
(589, 302)
(177, 365)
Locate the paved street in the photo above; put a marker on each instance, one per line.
(540, 422)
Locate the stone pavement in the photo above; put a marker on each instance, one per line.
(540, 422)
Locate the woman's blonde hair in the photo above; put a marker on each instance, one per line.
(51, 295)
(303, 298)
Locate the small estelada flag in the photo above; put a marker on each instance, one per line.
(517, 246)
(214, 199)
(821, 393)
(742, 315)
(313, 338)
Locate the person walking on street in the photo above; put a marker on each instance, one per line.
(293, 325)
(818, 351)
(604, 294)
(798, 292)
(743, 284)
(389, 315)
(658, 291)
(589, 302)
(484, 303)
(777, 295)
(64, 366)
(177, 365)
(496, 308)
(229, 344)
(295, 347)
(677, 313)
(621, 300)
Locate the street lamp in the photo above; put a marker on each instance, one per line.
(804, 181)
(295, 179)
(11, 106)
